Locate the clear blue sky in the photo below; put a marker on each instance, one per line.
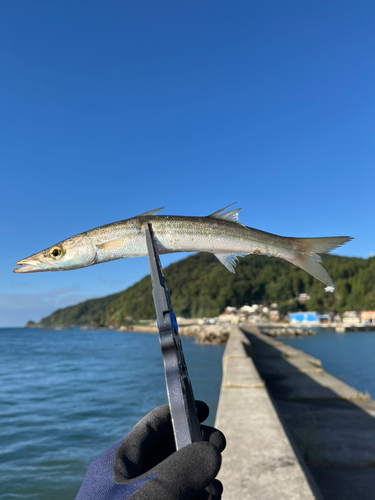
(110, 109)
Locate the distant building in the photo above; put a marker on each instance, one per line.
(351, 318)
(310, 317)
(254, 319)
(368, 317)
(246, 309)
(304, 317)
(274, 315)
(337, 318)
(325, 318)
(303, 298)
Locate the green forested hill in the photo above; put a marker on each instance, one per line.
(201, 286)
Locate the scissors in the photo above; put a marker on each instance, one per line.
(186, 427)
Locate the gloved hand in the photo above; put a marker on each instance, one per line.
(146, 465)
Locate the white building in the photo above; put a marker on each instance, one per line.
(351, 318)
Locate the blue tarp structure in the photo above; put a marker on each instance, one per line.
(302, 317)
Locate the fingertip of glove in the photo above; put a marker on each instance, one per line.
(188, 471)
(214, 436)
(202, 410)
(207, 457)
(216, 489)
(218, 440)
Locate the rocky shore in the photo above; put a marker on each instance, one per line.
(217, 333)
(203, 334)
(287, 331)
(207, 334)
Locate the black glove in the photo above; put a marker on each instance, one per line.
(146, 465)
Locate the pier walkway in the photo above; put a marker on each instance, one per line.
(294, 431)
(259, 461)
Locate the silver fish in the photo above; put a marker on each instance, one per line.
(220, 233)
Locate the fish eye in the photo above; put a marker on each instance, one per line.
(56, 252)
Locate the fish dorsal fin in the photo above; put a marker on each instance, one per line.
(229, 260)
(151, 212)
(232, 215)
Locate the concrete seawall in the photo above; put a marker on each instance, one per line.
(259, 462)
(294, 431)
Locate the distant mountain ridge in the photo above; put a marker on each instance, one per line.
(201, 287)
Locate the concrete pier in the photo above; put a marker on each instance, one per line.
(259, 461)
(330, 424)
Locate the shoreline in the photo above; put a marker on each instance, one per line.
(203, 334)
(217, 333)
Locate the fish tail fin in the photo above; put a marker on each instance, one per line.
(309, 260)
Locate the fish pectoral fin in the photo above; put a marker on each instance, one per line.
(151, 212)
(232, 215)
(110, 244)
(229, 260)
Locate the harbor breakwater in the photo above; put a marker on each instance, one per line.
(217, 333)
(293, 430)
(203, 333)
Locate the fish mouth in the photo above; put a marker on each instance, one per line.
(30, 265)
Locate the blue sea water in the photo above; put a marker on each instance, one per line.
(348, 356)
(66, 396)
